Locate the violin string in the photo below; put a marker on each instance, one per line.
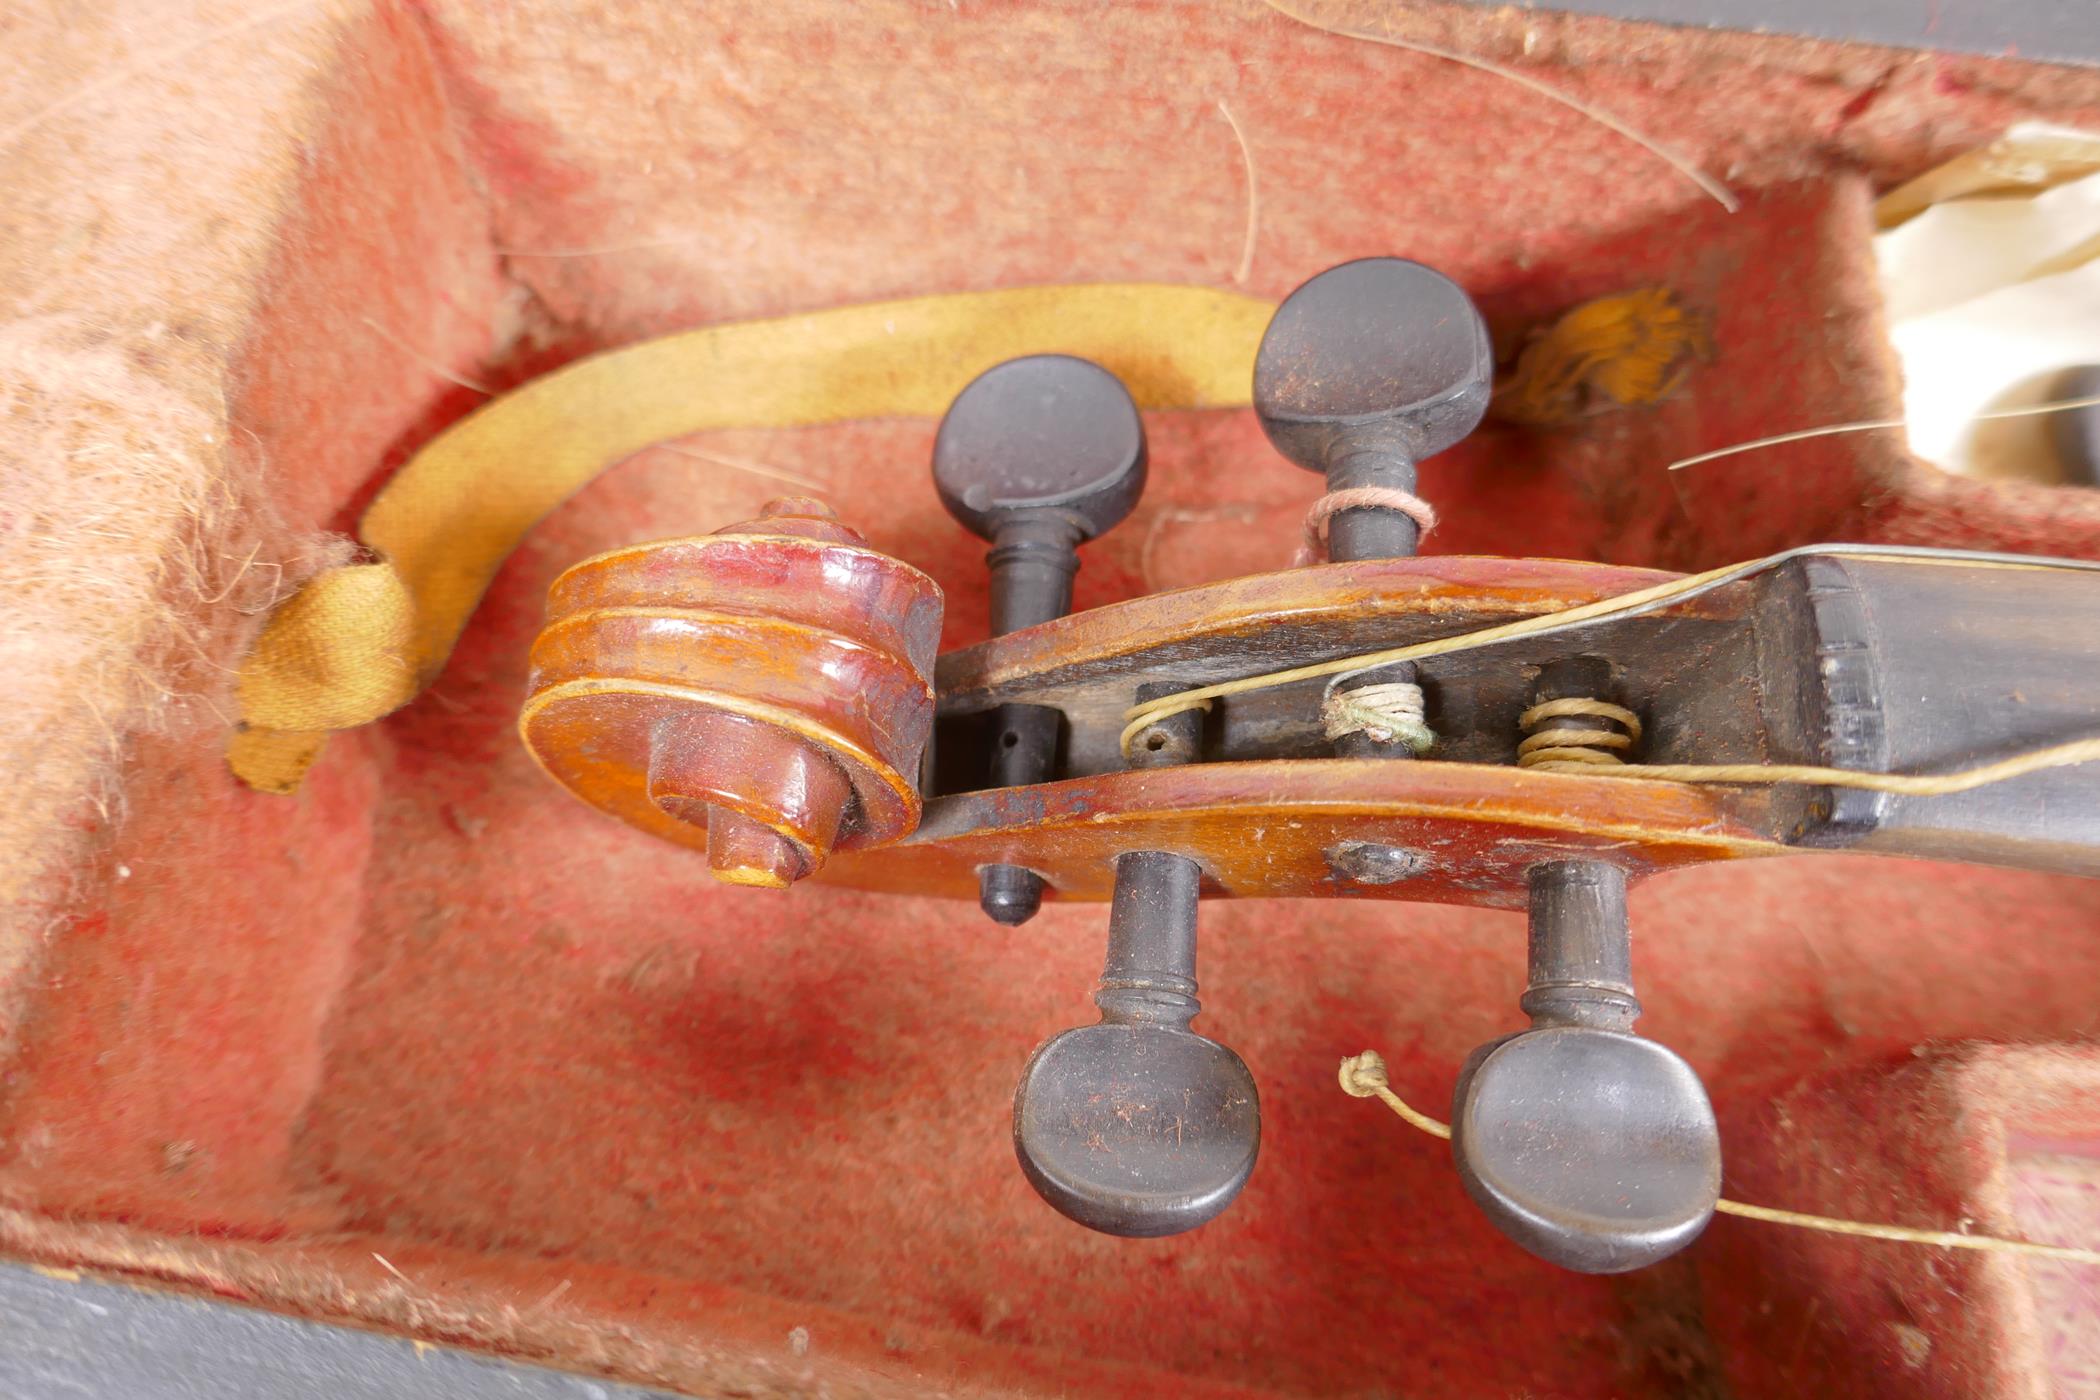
(1364, 1076)
(1872, 425)
(1713, 188)
(1637, 603)
(2066, 755)
(1590, 752)
(1245, 267)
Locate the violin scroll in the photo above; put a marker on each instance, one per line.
(763, 693)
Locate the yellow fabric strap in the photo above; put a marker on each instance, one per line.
(360, 641)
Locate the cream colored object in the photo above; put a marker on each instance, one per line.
(2006, 349)
(2029, 158)
(1990, 298)
(1955, 253)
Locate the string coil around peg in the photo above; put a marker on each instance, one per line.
(1566, 748)
(1313, 549)
(1386, 712)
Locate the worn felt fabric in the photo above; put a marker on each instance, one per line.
(594, 1110)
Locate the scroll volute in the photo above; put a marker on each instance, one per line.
(762, 693)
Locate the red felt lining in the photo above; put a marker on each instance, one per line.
(435, 1008)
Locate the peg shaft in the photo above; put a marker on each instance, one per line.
(1035, 455)
(1365, 370)
(1580, 951)
(1137, 1125)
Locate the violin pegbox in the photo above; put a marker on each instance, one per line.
(1374, 727)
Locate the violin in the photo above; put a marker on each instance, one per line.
(1370, 725)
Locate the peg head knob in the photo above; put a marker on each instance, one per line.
(1593, 1149)
(1044, 432)
(1136, 1129)
(1377, 352)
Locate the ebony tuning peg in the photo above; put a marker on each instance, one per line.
(1137, 1125)
(1364, 371)
(1592, 1148)
(1035, 455)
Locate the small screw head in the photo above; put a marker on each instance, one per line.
(1041, 432)
(1380, 346)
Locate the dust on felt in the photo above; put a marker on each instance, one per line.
(1713, 188)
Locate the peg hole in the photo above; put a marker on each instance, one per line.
(1009, 740)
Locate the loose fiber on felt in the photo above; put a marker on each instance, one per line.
(131, 575)
(430, 1010)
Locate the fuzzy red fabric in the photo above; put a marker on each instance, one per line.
(599, 1111)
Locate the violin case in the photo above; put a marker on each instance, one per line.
(429, 1049)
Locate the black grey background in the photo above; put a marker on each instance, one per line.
(84, 1340)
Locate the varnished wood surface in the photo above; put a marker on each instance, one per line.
(1731, 676)
(1269, 828)
(760, 693)
(1265, 621)
(1089, 665)
(1266, 829)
